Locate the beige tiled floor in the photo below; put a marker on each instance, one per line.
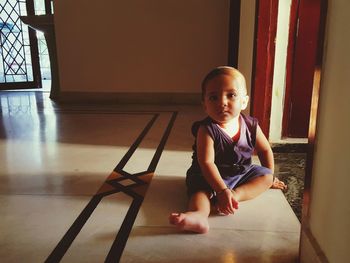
(53, 160)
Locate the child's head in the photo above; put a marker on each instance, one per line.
(224, 94)
(237, 77)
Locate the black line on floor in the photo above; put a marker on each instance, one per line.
(59, 251)
(125, 189)
(159, 151)
(119, 243)
(64, 244)
(125, 175)
(134, 146)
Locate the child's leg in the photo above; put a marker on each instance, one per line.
(196, 218)
(253, 188)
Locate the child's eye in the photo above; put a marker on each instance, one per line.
(232, 95)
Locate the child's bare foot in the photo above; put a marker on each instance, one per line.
(190, 221)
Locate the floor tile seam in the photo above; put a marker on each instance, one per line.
(221, 229)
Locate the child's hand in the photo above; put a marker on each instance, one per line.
(226, 202)
(277, 184)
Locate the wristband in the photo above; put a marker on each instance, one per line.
(221, 191)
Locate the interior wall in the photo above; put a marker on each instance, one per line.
(246, 42)
(329, 206)
(279, 75)
(139, 46)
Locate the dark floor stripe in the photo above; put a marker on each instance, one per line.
(159, 151)
(133, 147)
(64, 244)
(119, 243)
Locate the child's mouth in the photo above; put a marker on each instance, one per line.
(223, 112)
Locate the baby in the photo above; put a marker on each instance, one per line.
(222, 173)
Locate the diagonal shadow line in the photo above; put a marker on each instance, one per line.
(119, 243)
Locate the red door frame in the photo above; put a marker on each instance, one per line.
(263, 61)
(262, 83)
(305, 25)
(293, 24)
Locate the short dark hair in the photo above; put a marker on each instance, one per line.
(224, 70)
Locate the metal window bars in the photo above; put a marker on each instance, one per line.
(19, 54)
(14, 43)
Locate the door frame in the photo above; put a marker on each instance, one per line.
(261, 102)
(305, 23)
(266, 13)
(293, 24)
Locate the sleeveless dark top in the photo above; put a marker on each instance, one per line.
(231, 157)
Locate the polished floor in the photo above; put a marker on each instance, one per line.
(95, 183)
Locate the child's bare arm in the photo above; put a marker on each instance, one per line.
(206, 158)
(264, 150)
(265, 155)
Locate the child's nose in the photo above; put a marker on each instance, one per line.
(223, 101)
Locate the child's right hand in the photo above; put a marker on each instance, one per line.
(227, 204)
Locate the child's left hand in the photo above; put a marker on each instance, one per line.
(227, 204)
(277, 184)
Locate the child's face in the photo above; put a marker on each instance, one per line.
(224, 98)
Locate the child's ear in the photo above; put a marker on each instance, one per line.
(245, 101)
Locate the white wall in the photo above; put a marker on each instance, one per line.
(330, 199)
(138, 45)
(278, 85)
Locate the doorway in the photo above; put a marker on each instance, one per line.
(24, 57)
(304, 27)
(304, 61)
(19, 65)
(305, 22)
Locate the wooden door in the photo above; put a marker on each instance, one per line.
(263, 64)
(301, 59)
